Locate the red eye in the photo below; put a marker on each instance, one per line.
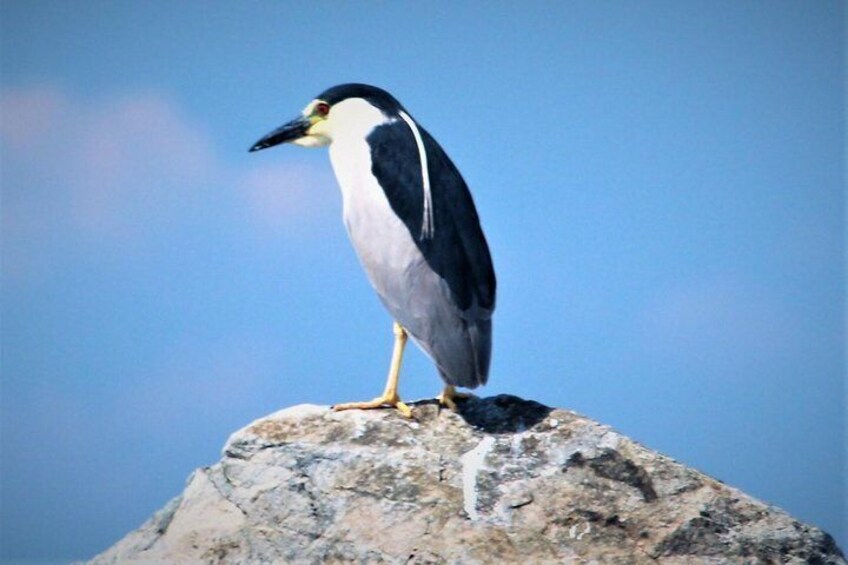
(322, 109)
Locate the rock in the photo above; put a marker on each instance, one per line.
(503, 481)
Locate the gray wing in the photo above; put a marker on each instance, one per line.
(458, 332)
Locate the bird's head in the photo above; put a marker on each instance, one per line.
(344, 110)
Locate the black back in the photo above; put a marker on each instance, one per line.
(457, 249)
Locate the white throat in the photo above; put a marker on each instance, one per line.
(351, 121)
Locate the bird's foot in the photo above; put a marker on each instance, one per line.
(448, 396)
(379, 402)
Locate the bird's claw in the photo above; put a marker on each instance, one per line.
(447, 397)
(379, 402)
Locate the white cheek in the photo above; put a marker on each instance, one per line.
(312, 141)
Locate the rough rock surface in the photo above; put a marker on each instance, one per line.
(504, 481)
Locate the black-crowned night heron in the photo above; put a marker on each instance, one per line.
(413, 224)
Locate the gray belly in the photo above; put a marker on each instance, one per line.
(418, 299)
(414, 295)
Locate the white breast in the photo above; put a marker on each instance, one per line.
(381, 240)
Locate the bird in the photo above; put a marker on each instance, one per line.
(415, 229)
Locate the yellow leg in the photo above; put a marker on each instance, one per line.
(390, 395)
(447, 396)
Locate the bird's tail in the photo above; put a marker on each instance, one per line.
(470, 368)
(481, 342)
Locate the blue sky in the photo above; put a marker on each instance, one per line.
(661, 183)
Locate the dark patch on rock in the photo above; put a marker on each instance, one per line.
(698, 536)
(575, 460)
(502, 414)
(611, 465)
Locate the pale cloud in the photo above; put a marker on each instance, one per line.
(110, 167)
(138, 156)
(120, 168)
(282, 197)
(27, 116)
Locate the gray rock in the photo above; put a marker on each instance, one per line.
(503, 481)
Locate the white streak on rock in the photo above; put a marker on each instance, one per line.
(574, 533)
(610, 440)
(472, 462)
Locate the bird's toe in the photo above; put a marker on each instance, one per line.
(448, 397)
(379, 402)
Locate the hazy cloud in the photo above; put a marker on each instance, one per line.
(138, 156)
(27, 116)
(282, 197)
(120, 168)
(111, 167)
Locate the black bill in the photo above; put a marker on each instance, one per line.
(295, 129)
